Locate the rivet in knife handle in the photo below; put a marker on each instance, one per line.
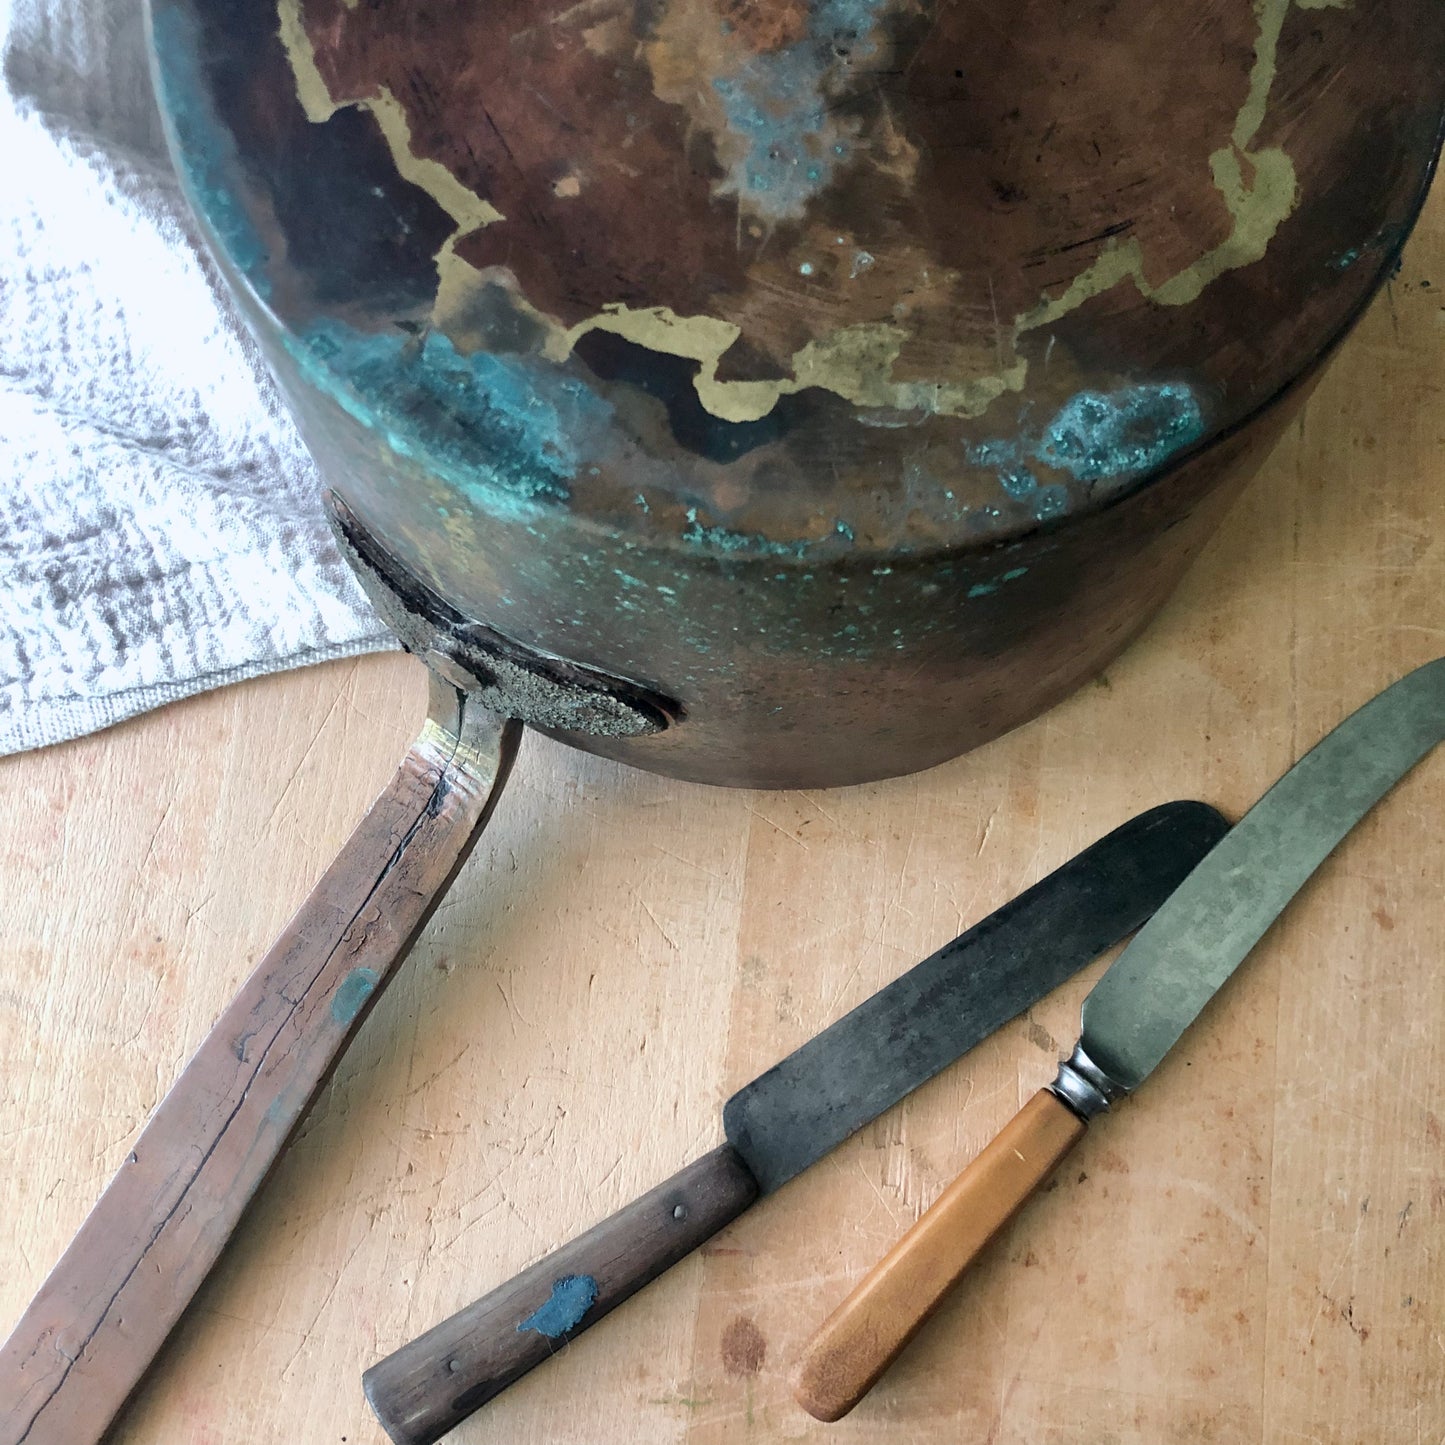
(1133, 1016)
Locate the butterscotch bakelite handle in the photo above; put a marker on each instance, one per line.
(868, 1331)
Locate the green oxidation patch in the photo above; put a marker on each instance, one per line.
(722, 539)
(507, 433)
(204, 147)
(1096, 437)
(1386, 236)
(987, 589)
(754, 544)
(789, 134)
(1121, 434)
(352, 993)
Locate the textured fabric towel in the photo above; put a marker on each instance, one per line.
(160, 531)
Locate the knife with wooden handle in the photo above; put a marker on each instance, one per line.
(1134, 1016)
(791, 1116)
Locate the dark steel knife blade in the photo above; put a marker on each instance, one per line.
(797, 1111)
(841, 1079)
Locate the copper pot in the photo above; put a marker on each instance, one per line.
(856, 376)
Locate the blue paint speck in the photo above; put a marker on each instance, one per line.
(572, 1296)
(982, 589)
(352, 992)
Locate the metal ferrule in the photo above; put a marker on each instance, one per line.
(1084, 1086)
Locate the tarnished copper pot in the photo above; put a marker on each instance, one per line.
(857, 375)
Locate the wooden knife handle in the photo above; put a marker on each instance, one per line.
(432, 1384)
(89, 1335)
(868, 1331)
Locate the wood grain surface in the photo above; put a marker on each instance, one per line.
(1249, 1251)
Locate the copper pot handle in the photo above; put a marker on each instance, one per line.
(104, 1311)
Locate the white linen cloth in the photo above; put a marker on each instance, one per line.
(160, 528)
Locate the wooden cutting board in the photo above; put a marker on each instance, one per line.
(1251, 1251)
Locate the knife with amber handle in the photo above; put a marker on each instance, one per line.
(1134, 1016)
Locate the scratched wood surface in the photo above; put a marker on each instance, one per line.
(1251, 1250)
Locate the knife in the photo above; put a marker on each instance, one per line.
(795, 1113)
(1136, 1013)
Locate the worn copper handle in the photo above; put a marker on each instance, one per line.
(868, 1331)
(105, 1310)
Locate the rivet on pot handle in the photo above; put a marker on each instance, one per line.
(100, 1317)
